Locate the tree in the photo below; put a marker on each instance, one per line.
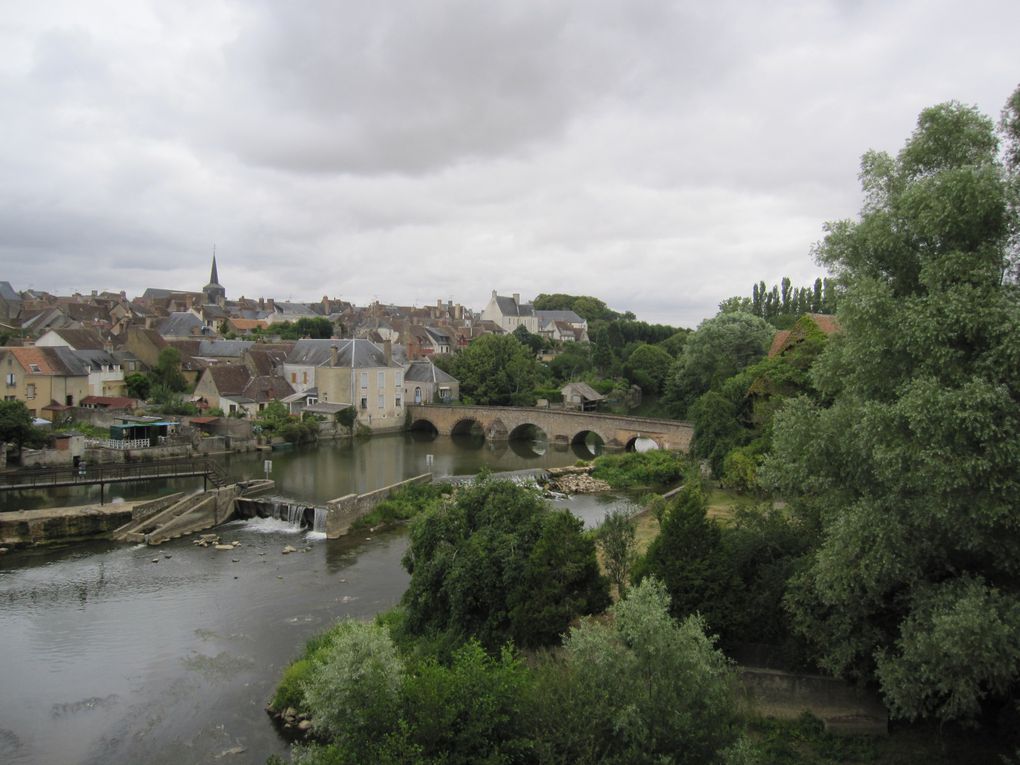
(616, 538)
(16, 425)
(642, 688)
(355, 688)
(167, 372)
(688, 557)
(648, 366)
(138, 385)
(499, 565)
(720, 348)
(911, 471)
(496, 370)
(533, 342)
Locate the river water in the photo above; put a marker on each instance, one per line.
(114, 653)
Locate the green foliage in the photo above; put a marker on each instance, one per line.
(909, 463)
(319, 328)
(534, 343)
(498, 564)
(740, 469)
(641, 689)
(721, 347)
(496, 370)
(138, 385)
(169, 401)
(783, 304)
(16, 426)
(406, 503)
(167, 373)
(354, 688)
(689, 558)
(291, 690)
(572, 362)
(616, 539)
(630, 470)
(588, 308)
(648, 366)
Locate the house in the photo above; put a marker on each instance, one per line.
(233, 388)
(509, 313)
(75, 339)
(183, 325)
(425, 383)
(422, 342)
(580, 395)
(785, 339)
(352, 372)
(46, 380)
(106, 377)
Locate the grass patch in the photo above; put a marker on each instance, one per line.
(723, 503)
(804, 741)
(406, 503)
(654, 469)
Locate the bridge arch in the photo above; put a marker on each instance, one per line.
(424, 425)
(527, 431)
(587, 444)
(641, 444)
(467, 426)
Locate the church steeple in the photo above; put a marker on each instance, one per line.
(214, 292)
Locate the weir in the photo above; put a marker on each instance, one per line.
(298, 514)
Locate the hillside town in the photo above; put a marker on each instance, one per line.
(63, 354)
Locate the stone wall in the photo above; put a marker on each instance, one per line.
(342, 512)
(64, 524)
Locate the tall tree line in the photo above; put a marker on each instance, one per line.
(785, 300)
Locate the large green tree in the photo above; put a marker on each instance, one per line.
(911, 472)
(496, 369)
(498, 564)
(167, 373)
(16, 425)
(718, 349)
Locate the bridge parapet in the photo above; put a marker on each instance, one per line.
(616, 431)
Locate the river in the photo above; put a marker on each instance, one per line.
(116, 653)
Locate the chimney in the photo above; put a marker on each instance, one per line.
(494, 293)
(388, 351)
(332, 355)
(439, 304)
(262, 303)
(517, 298)
(458, 311)
(271, 304)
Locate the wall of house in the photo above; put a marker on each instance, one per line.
(378, 393)
(300, 376)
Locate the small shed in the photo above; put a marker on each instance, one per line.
(581, 396)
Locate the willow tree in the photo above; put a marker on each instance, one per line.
(909, 464)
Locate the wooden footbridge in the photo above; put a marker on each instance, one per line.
(121, 472)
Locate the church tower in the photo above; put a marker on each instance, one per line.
(214, 292)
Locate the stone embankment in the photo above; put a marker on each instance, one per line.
(575, 480)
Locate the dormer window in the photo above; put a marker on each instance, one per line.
(34, 368)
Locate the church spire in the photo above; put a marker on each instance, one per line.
(214, 292)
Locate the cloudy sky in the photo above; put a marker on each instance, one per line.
(660, 155)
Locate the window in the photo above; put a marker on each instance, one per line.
(400, 378)
(34, 368)
(30, 391)
(364, 379)
(69, 400)
(398, 402)
(10, 398)
(364, 402)
(293, 377)
(444, 394)
(10, 379)
(380, 380)
(304, 377)
(379, 402)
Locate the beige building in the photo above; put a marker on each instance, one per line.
(355, 373)
(46, 380)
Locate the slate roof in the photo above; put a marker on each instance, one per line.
(8, 293)
(180, 324)
(223, 348)
(59, 362)
(510, 307)
(567, 316)
(356, 353)
(426, 371)
(81, 339)
(96, 359)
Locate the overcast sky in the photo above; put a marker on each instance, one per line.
(661, 156)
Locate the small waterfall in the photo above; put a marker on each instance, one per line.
(285, 511)
(319, 525)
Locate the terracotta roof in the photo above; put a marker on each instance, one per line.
(779, 342)
(110, 402)
(826, 322)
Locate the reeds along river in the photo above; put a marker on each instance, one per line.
(129, 654)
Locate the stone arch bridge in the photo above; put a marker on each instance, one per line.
(501, 423)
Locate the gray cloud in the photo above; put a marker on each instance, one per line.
(662, 156)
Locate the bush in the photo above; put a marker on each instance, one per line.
(291, 690)
(652, 469)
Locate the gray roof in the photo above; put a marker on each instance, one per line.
(567, 316)
(510, 307)
(426, 371)
(298, 309)
(223, 348)
(356, 353)
(180, 324)
(96, 358)
(7, 293)
(584, 390)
